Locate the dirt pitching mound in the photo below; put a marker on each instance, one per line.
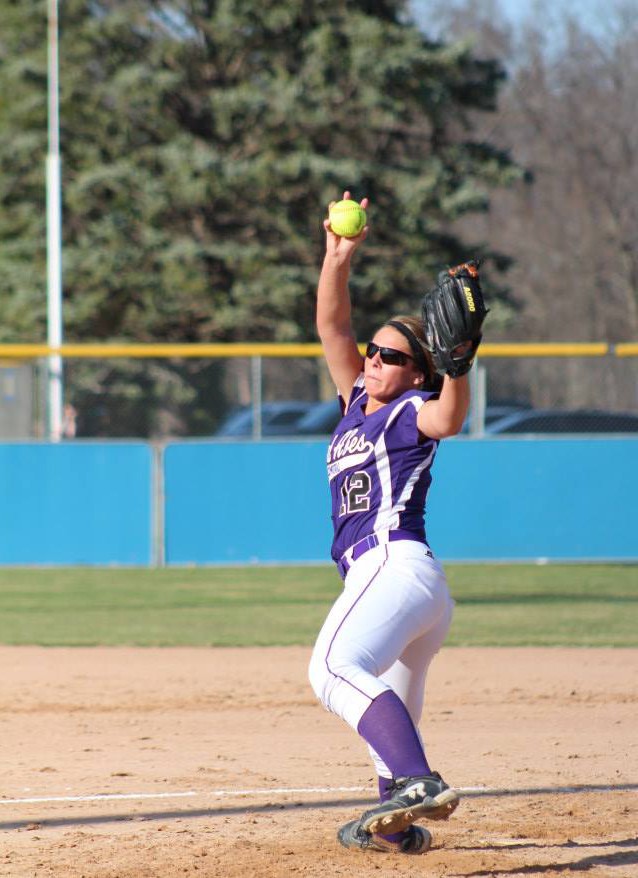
(130, 763)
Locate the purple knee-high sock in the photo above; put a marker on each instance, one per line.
(388, 729)
(385, 788)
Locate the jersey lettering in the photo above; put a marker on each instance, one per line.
(348, 450)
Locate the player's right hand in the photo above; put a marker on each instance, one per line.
(344, 247)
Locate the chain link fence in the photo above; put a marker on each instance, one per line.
(262, 395)
(575, 394)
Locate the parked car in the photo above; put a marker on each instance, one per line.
(320, 419)
(565, 421)
(323, 417)
(277, 419)
(496, 412)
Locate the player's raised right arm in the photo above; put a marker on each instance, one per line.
(334, 311)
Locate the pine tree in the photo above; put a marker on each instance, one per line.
(201, 143)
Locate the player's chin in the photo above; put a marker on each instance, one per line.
(372, 385)
(377, 389)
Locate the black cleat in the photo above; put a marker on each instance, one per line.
(417, 840)
(414, 798)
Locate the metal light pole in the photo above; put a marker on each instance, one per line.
(54, 237)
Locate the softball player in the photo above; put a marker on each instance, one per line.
(372, 654)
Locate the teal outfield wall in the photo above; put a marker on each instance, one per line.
(491, 499)
(244, 502)
(75, 503)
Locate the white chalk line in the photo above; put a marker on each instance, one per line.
(187, 794)
(285, 791)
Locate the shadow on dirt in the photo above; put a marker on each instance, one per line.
(182, 814)
(549, 791)
(618, 858)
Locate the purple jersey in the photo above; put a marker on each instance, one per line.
(379, 469)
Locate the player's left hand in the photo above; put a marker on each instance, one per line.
(453, 315)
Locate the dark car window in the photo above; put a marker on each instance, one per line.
(321, 419)
(284, 418)
(277, 418)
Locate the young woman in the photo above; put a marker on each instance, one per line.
(372, 654)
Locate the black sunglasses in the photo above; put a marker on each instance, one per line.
(389, 356)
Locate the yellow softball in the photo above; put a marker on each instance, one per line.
(347, 218)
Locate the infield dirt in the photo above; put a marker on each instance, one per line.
(544, 740)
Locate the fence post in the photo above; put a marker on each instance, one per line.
(158, 506)
(478, 389)
(256, 393)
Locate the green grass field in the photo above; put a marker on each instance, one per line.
(497, 605)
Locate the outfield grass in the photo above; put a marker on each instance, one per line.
(497, 605)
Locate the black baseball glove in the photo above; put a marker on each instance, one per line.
(453, 314)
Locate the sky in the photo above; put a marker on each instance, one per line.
(517, 11)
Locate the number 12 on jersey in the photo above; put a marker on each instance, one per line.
(355, 493)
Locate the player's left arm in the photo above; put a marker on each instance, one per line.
(453, 314)
(443, 417)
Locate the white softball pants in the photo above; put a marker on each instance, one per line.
(382, 633)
